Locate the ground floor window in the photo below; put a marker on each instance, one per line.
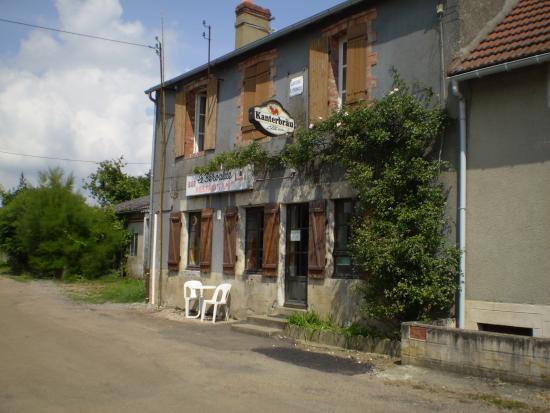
(254, 239)
(133, 244)
(194, 238)
(343, 213)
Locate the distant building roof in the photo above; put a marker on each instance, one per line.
(133, 205)
(524, 32)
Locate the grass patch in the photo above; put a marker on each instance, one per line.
(504, 403)
(312, 321)
(111, 288)
(22, 278)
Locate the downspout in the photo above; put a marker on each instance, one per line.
(152, 228)
(461, 204)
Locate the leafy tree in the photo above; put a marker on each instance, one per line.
(7, 196)
(109, 185)
(50, 231)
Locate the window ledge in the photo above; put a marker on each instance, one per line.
(195, 155)
(191, 272)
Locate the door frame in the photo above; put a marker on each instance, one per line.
(294, 304)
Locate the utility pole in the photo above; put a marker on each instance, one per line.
(162, 107)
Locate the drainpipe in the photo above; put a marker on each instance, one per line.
(151, 251)
(153, 275)
(461, 204)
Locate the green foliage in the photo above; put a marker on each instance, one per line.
(50, 231)
(7, 195)
(109, 185)
(312, 320)
(252, 154)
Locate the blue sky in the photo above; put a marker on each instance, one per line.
(70, 97)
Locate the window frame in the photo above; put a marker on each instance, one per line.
(342, 69)
(259, 210)
(352, 272)
(197, 214)
(133, 247)
(200, 120)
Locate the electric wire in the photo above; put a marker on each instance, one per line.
(64, 159)
(77, 34)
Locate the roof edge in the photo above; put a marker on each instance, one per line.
(261, 42)
(502, 67)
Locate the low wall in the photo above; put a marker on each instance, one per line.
(509, 357)
(360, 343)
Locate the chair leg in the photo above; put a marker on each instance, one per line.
(226, 313)
(214, 313)
(186, 308)
(203, 310)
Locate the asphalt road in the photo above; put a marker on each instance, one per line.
(58, 356)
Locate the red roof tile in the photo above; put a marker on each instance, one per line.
(524, 32)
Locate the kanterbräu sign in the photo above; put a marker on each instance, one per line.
(271, 118)
(222, 181)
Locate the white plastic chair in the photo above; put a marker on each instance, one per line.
(219, 298)
(192, 292)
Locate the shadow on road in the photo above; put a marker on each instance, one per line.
(317, 361)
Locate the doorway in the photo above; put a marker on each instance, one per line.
(296, 262)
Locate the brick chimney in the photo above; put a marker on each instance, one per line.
(252, 23)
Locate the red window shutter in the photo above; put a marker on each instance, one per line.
(357, 63)
(206, 239)
(174, 241)
(317, 240)
(230, 240)
(189, 117)
(249, 91)
(271, 240)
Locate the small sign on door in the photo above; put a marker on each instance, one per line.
(295, 235)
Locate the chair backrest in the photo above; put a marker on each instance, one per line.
(221, 292)
(192, 286)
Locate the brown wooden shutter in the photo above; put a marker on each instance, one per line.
(189, 136)
(317, 241)
(318, 79)
(263, 81)
(179, 123)
(211, 110)
(230, 240)
(356, 84)
(271, 240)
(206, 239)
(249, 90)
(174, 241)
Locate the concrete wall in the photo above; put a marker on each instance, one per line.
(504, 356)
(508, 225)
(406, 38)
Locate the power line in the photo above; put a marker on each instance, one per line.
(78, 34)
(64, 159)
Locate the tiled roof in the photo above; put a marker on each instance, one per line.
(133, 205)
(524, 32)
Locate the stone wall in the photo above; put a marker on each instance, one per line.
(508, 357)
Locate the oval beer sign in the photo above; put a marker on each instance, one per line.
(271, 118)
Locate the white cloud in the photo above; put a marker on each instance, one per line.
(71, 97)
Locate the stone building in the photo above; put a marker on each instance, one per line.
(281, 239)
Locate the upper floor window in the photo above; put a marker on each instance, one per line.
(133, 248)
(200, 121)
(342, 71)
(195, 117)
(256, 90)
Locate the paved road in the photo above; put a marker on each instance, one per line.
(57, 356)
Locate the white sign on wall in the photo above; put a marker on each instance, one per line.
(222, 181)
(296, 86)
(271, 118)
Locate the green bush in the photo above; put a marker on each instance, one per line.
(50, 231)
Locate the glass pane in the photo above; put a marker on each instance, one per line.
(344, 79)
(193, 258)
(341, 238)
(254, 238)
